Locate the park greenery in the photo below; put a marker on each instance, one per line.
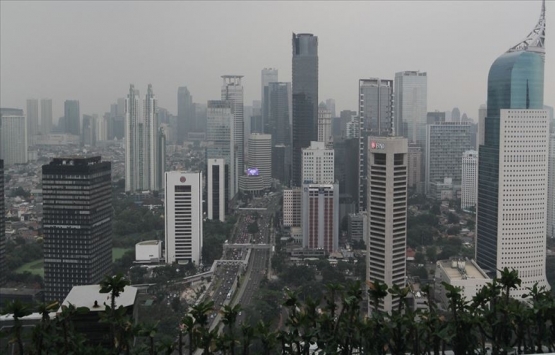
(334, 323)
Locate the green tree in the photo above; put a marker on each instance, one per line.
(18, 311)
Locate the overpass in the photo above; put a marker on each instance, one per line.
(252, 208)
(248, 246)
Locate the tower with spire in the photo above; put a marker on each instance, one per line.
(513, 171)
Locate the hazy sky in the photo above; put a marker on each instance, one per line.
(92, 51)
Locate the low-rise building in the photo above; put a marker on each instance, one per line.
(148, 251)
(465, 274)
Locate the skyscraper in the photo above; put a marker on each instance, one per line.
(324, 125)
(3, 270)
(469, 183)
(512, 169)
(142, 165)
(185, 114)
(183, 216)
(330, 104)
(445, 145)
(232, 91)
(267, 76)
(45, 116)
(415, 166)
(305, 99)
(387, 214)
(32, 119)
(13, 139)
(411, 105)
(72, 118)
(551, 192)
(220, 139)
(77, 223)
(320, 216)
(482, 113)
(217, 189)
(375, 102)
(260, 157)
(277, 123)
(318, 164)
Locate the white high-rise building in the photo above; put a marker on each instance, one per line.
(551, 193)
(353, 128)
(232, 91)
(387, 214)
(142, 166)
(220, 139)
(183, 216)
(320, 216)
(217, 186)
(317, 164)
(469, 180)
(13, 139)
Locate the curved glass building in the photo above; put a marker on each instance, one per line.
(513, 163)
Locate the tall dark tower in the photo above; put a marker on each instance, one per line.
(185, 114)
(72, 117)
(2, 228)
(305, 98)
(512, 165)
(77, 223)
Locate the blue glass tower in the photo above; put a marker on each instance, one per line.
(515, 81)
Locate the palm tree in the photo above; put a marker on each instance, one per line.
(18, 310)
(42, 331)
(230, 314)
(188, 324)
(150, 331)
(267, 337)
(248, 334)
(114, 285)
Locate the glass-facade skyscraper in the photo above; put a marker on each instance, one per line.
(305, 99)
(512, 172)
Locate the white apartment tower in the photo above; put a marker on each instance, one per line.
(142, 164)
(387, 214)
(183, 216)
(469, 180)
(317, 164)
(551, 193)
(217, 186)
(13, 139)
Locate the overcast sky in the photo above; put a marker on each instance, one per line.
(92, 51)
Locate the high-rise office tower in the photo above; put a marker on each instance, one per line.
(267, 76)
(260, 158)
(281, 163)
(72, 117)
(469, 183)
(445, 145)
(3, 270)
(352, 129)
(45, 116)
(142, 134)
(88, 133)
(77, 223)
(455, 115)
(232, 91)
(161, 157)
(482, 113)
(318, 164)
(183, 216)
(512, 168)
(435, 117)
(387, 214)
(324, 125)
(375, 102)
(32, 119)
(220, 139)
(415, 166)
(346, 168)
(320, 216)
(217, 188)
(411, 105)
(279, 116)
(292, 207)
(551, 192)
(304, 98)
(185, 114)
(13, 139)
(330, 104)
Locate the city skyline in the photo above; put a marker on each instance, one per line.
(199, 66)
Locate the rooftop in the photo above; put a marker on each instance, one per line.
(86, 296)
(149, 242)
(462, 269)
